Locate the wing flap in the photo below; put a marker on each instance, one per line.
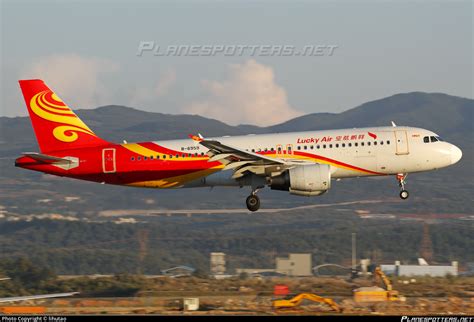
(243, 161)
(234, 154)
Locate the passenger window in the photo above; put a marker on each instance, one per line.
(171, 156)
(253, 150)
(177, 155)
(145, 158)
(337, 145)
(343, 145)
(362, 143)
(164, 156)
(381, 142)
(368, 143)
(202, 153)
(157, 157)
(324, 146)
(356, 144)
(388, 141)
(375, 142)
(349, 144)
(132, 159)
(317, 146)
(306, 147)
(151, 157)
(298, 147)
(139, 158)
(312, 147)
(330, 146)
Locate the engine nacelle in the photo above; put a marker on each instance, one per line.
(304, 180)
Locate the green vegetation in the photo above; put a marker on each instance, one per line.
(29, 278)
(106, 248)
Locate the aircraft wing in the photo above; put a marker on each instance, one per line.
(243, 161)
(35, 297)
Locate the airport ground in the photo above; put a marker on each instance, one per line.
(253, 296)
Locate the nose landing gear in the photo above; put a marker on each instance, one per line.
(401, 182)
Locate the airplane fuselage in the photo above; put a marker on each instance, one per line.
(302, 163)
(185, 163)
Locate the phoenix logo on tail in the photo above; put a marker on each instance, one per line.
(56, 126)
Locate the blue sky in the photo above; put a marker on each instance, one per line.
(86, 51)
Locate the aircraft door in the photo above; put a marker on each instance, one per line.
(108, 160)
(401, 142)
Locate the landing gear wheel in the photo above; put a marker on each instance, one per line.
(401, 182)
(404, 194)
(253, 202)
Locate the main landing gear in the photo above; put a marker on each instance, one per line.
(253, 201)
(401, 182)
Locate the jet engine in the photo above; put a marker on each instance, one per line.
(304, 180)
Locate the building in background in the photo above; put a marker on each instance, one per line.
(218, 264)
(178, 271)
(420, 270)
(294, 265)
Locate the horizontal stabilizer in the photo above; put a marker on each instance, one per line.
(44, 158)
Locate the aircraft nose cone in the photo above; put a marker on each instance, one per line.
(456, 154)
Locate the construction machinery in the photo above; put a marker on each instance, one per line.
(377, 294)
(298, 299)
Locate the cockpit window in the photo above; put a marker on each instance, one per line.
(439, 139)
(426, 139)
(433, 139)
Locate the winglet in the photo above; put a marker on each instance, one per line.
(197, 138)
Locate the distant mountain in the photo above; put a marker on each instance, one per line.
(440, 112)
(449, 116)
(445, 114)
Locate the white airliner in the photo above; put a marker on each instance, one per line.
(302, 163)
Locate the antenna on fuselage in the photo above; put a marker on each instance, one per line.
(393, 124)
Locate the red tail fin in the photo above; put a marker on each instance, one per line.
(55, 124)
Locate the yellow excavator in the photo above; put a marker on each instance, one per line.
(392, 295)
(375, 294)
(298, 299)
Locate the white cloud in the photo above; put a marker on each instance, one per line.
(144, 95)
(250, 95)
(74, 78)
